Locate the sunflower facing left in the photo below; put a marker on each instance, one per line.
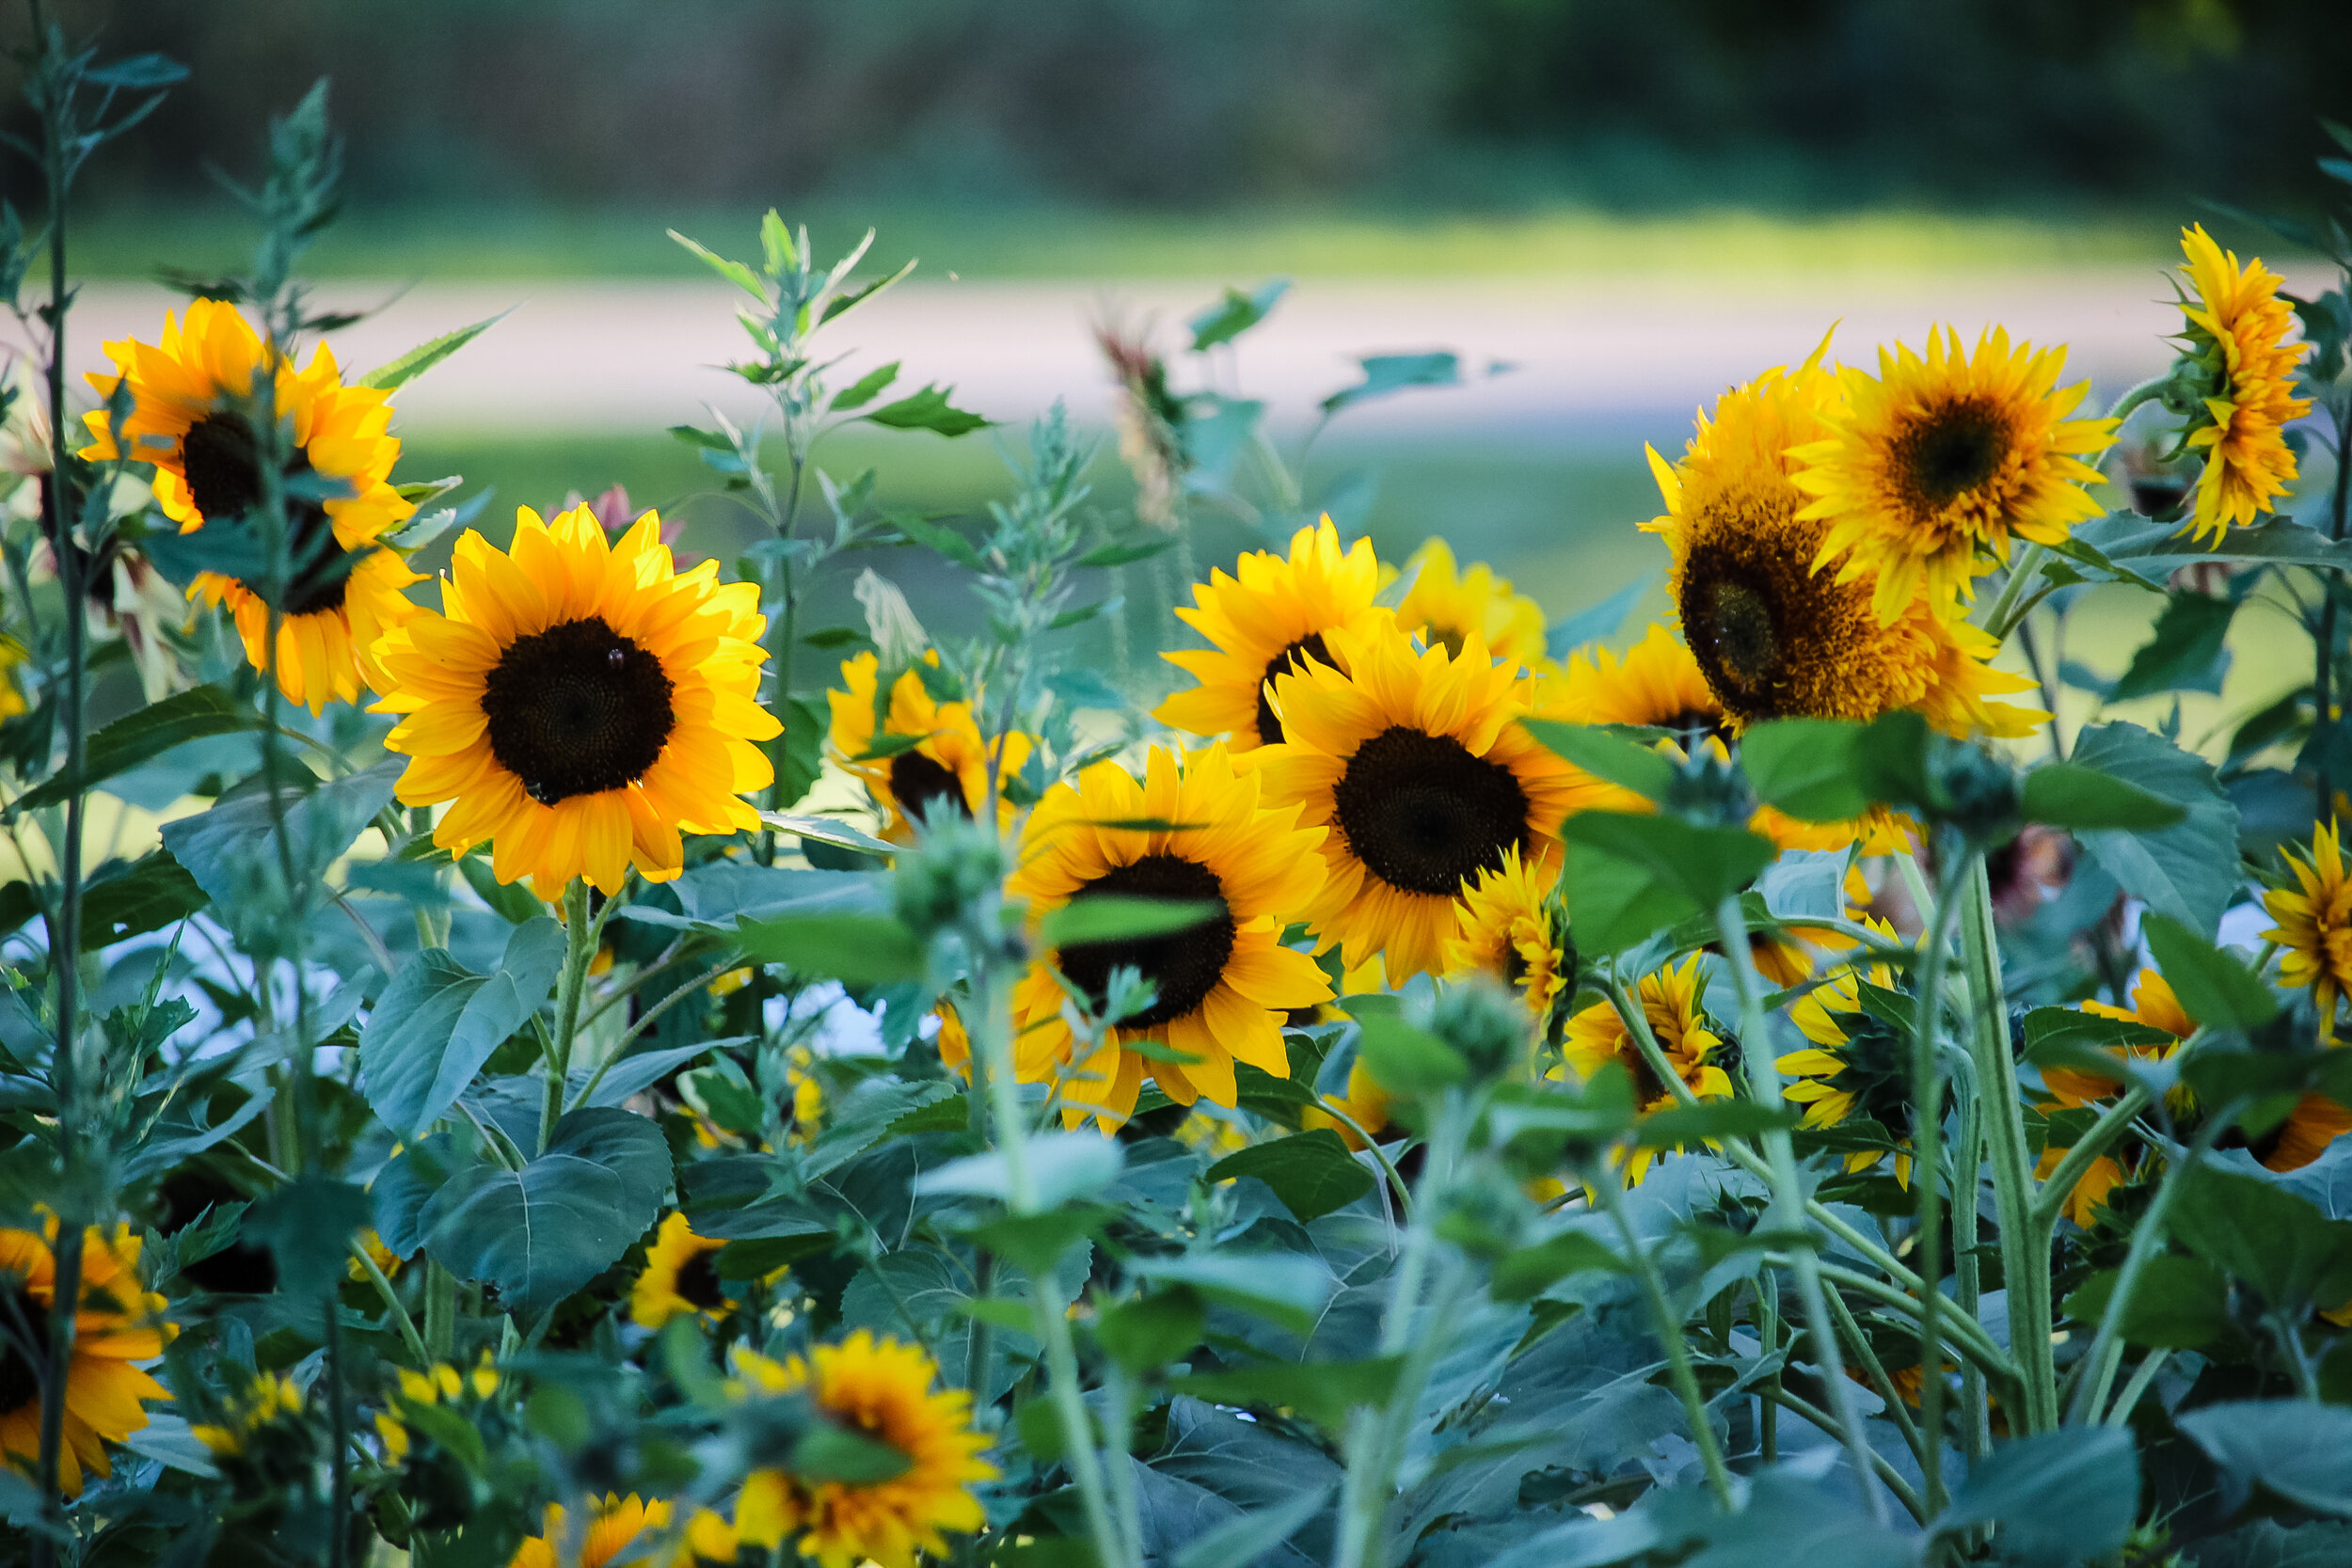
(191, 397)
(582, 703)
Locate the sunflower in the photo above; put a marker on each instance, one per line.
(118, 1322)
(2154, 1006)
(2236, 327)
(1934, 464)
(1670, 1002)
(581, 701)
(1224, 986)
(881, 1389)
(1365, 1103)
(615, 1524)
(1858, 1066)
(1414, 761)
(1507, 924)
(1272, 615)
(919, 754)
(1774, 638)
(1449, 605)
(2315, 926)
(2316, 1122)
(191, 406)
(441, 1384)
(681, 1277)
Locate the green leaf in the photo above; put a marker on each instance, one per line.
(1281, 1286)
(858, 949)
(1322, 1391)
(1235, 314)
(1313, 1173)
(1385, 373)
(1405, 1059)
(439, 1023)
(1121, 553)
(825, 830)
(1038, 1244)
(734, 272)
(2185, 653)
(1061, 1166)
(2189, 870)
(1597, 621)
(1528, 1273)
(308, 1225)
(866, 388)
(927, 409)
(2070, 1038)
(1806, 767)
(399, 372)
(2298, 1450)
(2082, 799)
(1703, 866)
(1638, 769)
(2178, 1304)
(222, 847)
(135, 738)
(1151, 1331)
(2259, 1233)
(129, 898)
(2055, 1500)
(1111, 917)
(1616, 904)
(512, 902)
(2215, 989)
(1677, 1125)
(1239, 1543)
(826, 1453)
(540, 1233)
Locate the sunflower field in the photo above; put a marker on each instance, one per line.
(612, 1057)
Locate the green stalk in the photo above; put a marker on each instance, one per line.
(1767, 1338)
(2025, 1254)
(440, 1313)
(1669, 1325)
(1968, 1162)
(2141, 1376)
(391, 1298)
(1881, 1383)
(2117, 1119)
(1764, 1085)
(1926, 1139)
(580, 950)
(2322, 673)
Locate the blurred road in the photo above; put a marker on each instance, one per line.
(1595, 362)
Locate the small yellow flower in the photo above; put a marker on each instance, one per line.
(2315, 926)
(269, 1396)
(1858, 1066)
(680, 1276)
(916, 753)
(1670, 1003)
(1508, 925)
(614, 1524)
(2237, 328)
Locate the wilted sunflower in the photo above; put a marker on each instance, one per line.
(681, 1276)
(1858, 1068)
(581, 701)
(1224, 986)
(1508, 925)
(1774, 638)
(118, 1322)
(1935, 464)
(1418, 765)
(921, 753)
(2238, 325)
(1670, 1003)
(2315, 926)
(880, 1389)
(1449, 605)
(615, 1526)
(1273, 614)
(190, 417)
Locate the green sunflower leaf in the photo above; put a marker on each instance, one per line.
(2055, 1499)
(856, 949)
(135, 738)
(1111, 917)
(2215, 989)
(1313, 1173)
(1806, 767)
(1235, 313)
(2068, 794)
(2298, 1450)
(1323, 1392)
(927, 409)
(2261, 1234)
(1606, 756)
(2178, 1304)
(439, 1023)
(1408, 1060)
(399, 372)
(2185, 651)
(2188, 870)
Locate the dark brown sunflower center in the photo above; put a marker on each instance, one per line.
(920, 783)
(1293, 657)
(1741, 630)
(1648, 1088)
(221, 460)
(1184, 965)
(1693, 722)
(576, 709)
(698, 1280)
(1422, 814)
(21, 1316)
(1951, 451)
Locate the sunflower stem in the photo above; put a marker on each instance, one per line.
(1875, 1369)
(2324, 653)
(400, 1320)
(2011, 604)
(1926, 1139)
(1976, 1419)
(2025, 1251)
(1764, 1085)
(2116, 1120)
(1669, 1327)
(580, 950)
(2136, 1386)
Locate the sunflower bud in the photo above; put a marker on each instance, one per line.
(957, 864)
(1973, 790)
(1486, 1022)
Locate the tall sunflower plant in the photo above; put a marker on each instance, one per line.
(521, 1048)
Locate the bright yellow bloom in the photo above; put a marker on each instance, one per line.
(1448, 605)
(118, 1322)
(880, 1389)
(614, 1524)
(1670, 1003)
(1415, 760)
(13, 656)
(191, 417)
(441, 1384)
(1775, 638)
(1225, 985)
(581, 701)
(2315, 926)
(1935, 464)
(1508, 925)
(1858, 1066)
(2237, 326)
(948, 764)
(1272, 615)
(681, 1276)
(2153, 1005)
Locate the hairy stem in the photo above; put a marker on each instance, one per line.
(580, 950)
(1669, 1327)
